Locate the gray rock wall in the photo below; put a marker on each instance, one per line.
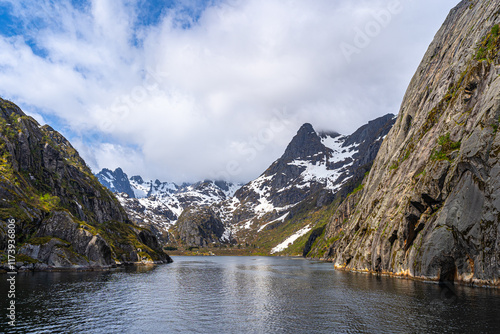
(430, 205)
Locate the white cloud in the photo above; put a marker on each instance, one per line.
(187, 104)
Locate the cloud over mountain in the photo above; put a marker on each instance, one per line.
(206, 89)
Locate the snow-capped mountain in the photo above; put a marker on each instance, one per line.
(324, 165)
(157, 204)
(116, 181)
(315, 166)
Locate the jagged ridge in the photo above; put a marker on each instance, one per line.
(158, 205)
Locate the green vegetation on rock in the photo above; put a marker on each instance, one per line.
(490, 45)
(446, 146)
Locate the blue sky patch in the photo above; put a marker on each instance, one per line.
(9, 25)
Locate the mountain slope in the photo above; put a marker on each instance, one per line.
(64, 216)
(429, 207)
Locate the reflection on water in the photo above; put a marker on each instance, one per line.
(245, 294)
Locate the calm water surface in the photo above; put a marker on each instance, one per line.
(244, 295)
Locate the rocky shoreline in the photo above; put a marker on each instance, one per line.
(472, 283)
(39, 267)
(475, 283)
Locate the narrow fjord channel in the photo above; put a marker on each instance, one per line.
(246, 295)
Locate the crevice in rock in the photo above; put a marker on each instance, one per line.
(393, 237)
(419, 206)
(447, 270)
(409, 232)
(378, 264)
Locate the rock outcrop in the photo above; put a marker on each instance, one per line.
(430, 206)
(201, 227)
(64, 217)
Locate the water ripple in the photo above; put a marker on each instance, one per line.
(245, 295)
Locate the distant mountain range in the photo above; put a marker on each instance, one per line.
(324, 165)
(157, 204)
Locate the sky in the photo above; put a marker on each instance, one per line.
(191, 90)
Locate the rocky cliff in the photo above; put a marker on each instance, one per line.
(200, 226)
(64, 217)
(430, 206)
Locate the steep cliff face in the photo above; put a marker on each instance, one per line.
(431, 203)
(64, 216)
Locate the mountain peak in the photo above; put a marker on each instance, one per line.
(374, 128)
(116, 181)
(137, 178)
(7, 108)
(305, 143)
(306, 128)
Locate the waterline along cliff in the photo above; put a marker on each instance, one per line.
(64, 217)
(430, 206)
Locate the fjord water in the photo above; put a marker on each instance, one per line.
(245, 295)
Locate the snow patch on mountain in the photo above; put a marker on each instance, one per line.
(339, 151)
(280, 219)
(290, 240)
